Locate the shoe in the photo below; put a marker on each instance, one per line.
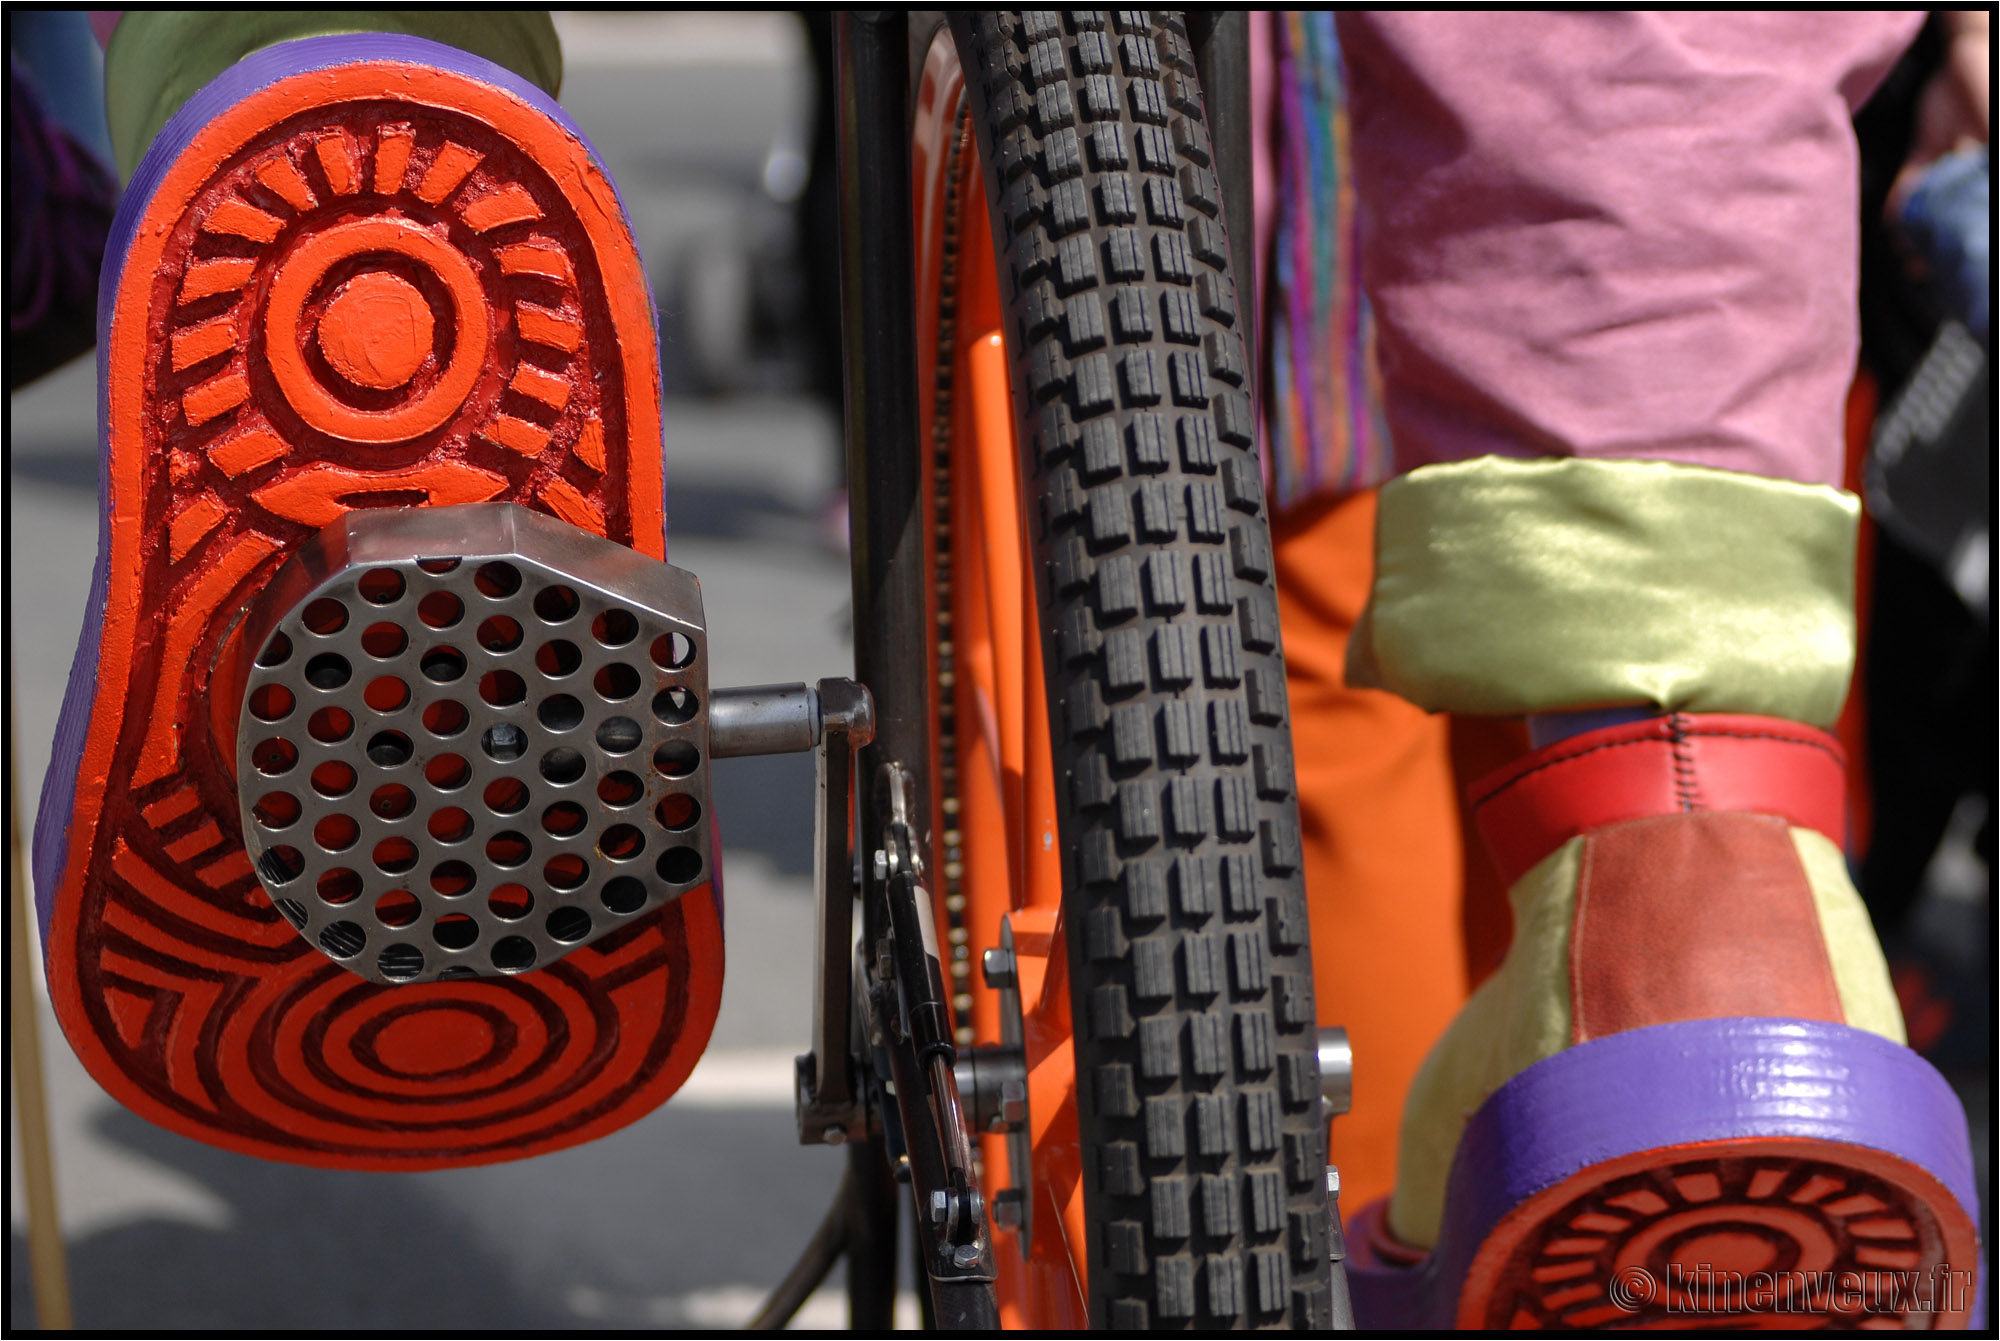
(354, 271)
(1684, 1099)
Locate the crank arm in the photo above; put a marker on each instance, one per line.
(912, 1014)
(839, 718)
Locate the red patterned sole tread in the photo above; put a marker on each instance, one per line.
(379, 283)
(1745, 1234)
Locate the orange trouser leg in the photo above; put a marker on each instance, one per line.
(1382, 845)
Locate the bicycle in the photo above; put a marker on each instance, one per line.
(1052, 481)
(1179, 413)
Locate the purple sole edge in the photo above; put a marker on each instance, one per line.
(1660, 1087)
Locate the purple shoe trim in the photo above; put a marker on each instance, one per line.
(1663, 1086)
(258, 70)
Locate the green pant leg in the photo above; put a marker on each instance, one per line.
(157, 59)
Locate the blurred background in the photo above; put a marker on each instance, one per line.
(687, 1217)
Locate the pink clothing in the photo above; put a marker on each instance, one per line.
(1263, 206)
(1263, 43)
(1614, 234)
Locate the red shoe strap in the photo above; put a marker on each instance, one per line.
(1666, 765)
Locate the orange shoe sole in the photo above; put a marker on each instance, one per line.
(1727, 1173)
(359, 271)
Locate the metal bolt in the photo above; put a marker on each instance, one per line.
(1013, 1112)
(881, 865)
(1336, 1240)
(1007, 1208)
(940, 1207)
(997, 965)
(834, 1136)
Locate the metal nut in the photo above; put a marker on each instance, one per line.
(997, 967)
(1013, 1106)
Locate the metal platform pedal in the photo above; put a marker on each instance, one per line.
(473, 739)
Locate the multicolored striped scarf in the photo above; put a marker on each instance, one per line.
(1327, 436)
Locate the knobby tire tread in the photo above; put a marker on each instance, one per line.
(1190, 973)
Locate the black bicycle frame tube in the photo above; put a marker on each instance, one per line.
(879, 371)
(871, 1237)
(891, 580)
(884, 462)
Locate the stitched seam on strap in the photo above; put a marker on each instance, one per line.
(1723, 733)
(1556, 763)
(1696, 734)
(1687, 787)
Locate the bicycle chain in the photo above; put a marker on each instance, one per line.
(952, 868)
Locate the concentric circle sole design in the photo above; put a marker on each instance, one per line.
(1728, 1234)
(475, 762)
(354, 272)
(1723, 1172)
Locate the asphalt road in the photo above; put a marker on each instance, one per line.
(688, 1216)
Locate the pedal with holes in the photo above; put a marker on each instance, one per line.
(376, 830)
(473, 740)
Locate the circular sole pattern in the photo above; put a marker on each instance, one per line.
(360, 271)
(1732, 1234)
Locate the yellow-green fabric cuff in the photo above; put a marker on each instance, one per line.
(1505, 587)
(159, 58)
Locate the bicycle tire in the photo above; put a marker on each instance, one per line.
(1188, 958)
